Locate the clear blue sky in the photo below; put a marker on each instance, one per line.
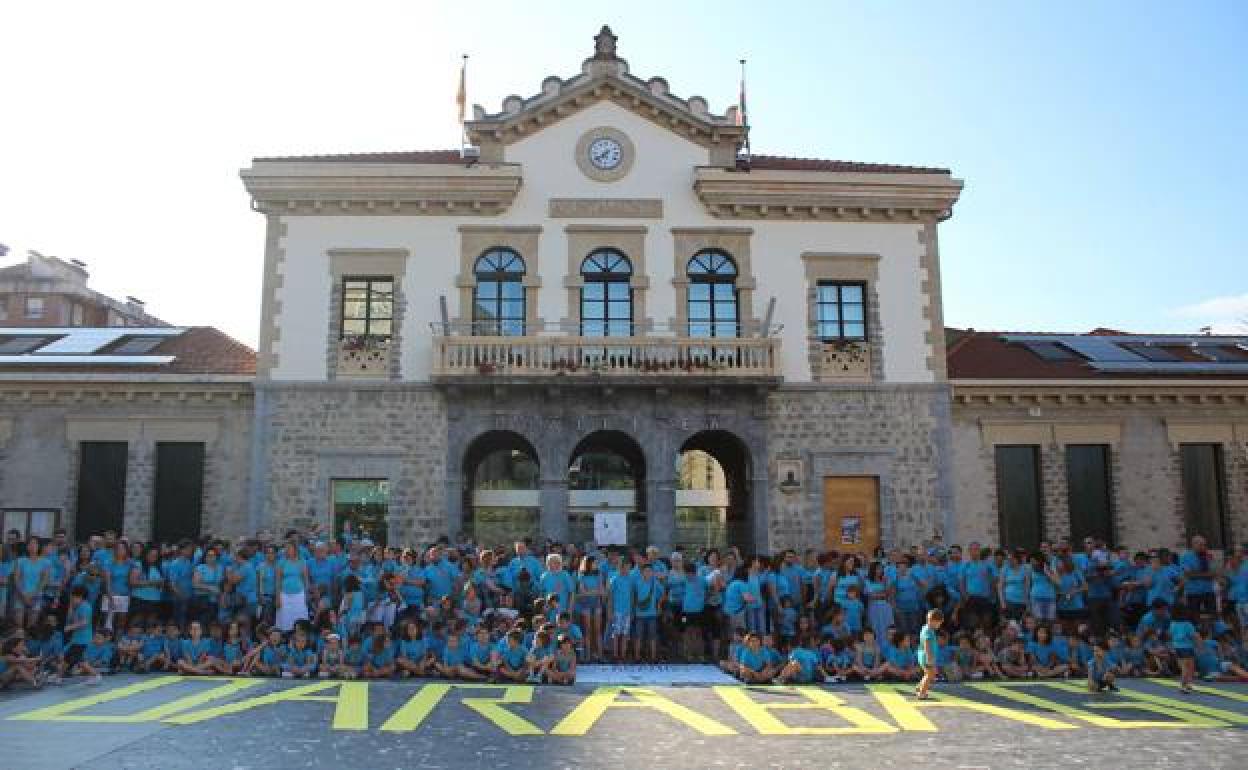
(1102, 144)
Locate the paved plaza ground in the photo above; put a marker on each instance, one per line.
(169, 722)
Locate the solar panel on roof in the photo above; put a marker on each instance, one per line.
(1100, 349)
(1151, 352)
(1224, 354)
(1051, 351)
(136, 346)
(20, 344)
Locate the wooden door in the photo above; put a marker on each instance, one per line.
(851, 513)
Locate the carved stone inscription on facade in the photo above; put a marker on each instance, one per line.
(606, 208)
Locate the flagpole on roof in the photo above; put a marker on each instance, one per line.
(743, 118)
(461, 101)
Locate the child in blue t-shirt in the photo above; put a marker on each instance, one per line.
(413, 657)
(1101, 669)
(838, 660)
(512, 658)
(929, 652)
(152, 655)
(899, 660)
(454, 661)
(788, 621)
(729, 666)
(562, 668)
(803, 667)
(378, 655)
(853, 610)
(128, 647)
(752, 667)
(1183, 641)
(868, 660)
(98, 657)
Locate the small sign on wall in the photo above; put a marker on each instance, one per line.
(851, 530)
(610, 528)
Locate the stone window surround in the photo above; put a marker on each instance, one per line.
(140, 434)
(344, 262)
(629, 240)
(475, 240)
(853, 267)
(735, 242)
(1049, 437)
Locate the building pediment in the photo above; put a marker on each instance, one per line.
(605, 77)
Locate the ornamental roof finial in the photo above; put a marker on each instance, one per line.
(604, 44)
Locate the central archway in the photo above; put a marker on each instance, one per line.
(501, 489)
(713, 492)
(607, 474)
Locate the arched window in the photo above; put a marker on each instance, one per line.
(498, 299)
(712, 295)
(607, 295)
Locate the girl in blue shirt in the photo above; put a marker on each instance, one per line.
(413, 657)
(899, 660)
(378, 655)
(868, 662)
(752, 665)
(1042, 589)
(206, 580)
(590, 593)
(1012, 587)
(292, 584)
(562, 668)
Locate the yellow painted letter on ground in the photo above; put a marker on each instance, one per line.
(418, 708)
(760, 717)
(350, 704)
(905, 710)
(63, 712)
(1184, 718)
(491, 708)
(593, 707)
(1233, 717)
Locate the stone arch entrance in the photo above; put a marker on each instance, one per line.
(607, 473)
(501, 492)
(714, 497)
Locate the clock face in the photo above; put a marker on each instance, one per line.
(605, 153)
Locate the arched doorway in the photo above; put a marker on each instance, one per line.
(606, 474)
(713, 492)
(501, 489)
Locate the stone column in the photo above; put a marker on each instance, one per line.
(760, 527)
(454, 506)
(661, 513)
(140, 473)
(554, 510)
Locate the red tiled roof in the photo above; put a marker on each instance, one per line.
(782, 163)
(975, 355)
(200, 350)
(413, 156)
(761, 162)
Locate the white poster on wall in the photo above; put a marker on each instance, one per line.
(610, 528)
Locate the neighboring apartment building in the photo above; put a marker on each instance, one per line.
(509, 342)
(49, 291)
(1138, 439)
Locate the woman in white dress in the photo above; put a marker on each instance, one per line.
(292, 583)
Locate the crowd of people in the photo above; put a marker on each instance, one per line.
(313, 605)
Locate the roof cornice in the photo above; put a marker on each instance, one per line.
(826, 195)
(312, 188)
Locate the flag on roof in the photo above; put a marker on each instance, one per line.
(461, 96)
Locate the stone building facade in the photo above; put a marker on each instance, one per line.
(542, 328)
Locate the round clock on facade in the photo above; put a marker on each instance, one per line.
(604, 154)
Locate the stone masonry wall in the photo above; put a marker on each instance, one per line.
(41, 459)
(1146, 486)
(316, 434)
(899, 433)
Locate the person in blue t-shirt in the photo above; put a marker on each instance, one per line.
(511, 658)
(693, 620)
(413, 657)
(1101, 674)
(647, 603)
(620, 612)
(1198, 574)
(1183, 642)
(928, 654)
(752, 667)
(803, 666)
(378, 655)
(454, 663)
